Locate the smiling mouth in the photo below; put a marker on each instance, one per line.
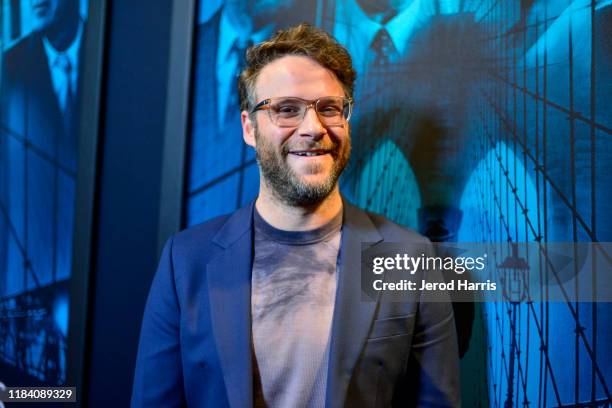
(309, 153)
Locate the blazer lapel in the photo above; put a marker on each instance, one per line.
(352, 316)
(45, 113)
(229, 285)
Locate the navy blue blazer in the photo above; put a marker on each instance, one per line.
(195, 346)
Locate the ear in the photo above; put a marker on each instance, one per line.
(248, 129)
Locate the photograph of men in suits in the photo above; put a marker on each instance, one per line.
(263, 307)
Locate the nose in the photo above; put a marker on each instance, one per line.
(311, 126)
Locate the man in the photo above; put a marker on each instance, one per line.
(263, 307)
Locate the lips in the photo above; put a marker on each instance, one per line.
(309, 153)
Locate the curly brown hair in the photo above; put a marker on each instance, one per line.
(304, 40)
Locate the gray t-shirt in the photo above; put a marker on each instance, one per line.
(292, 303)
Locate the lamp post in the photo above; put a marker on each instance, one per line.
(514, 283)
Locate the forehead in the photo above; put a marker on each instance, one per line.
(296, 75)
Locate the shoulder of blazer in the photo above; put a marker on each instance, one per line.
(199, 237)
(388, 230)
(27, 52)
(201, 242)
(393, 232)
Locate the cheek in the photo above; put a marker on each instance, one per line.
(339, 135)
(281, 138)
(272, 140)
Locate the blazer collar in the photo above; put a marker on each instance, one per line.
(359, 223)
(235, 227)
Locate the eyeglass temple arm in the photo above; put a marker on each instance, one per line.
(260, 105)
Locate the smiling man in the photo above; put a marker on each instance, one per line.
(263, 307)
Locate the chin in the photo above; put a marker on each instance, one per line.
(41, 23)
(320, 185)
(315, 180)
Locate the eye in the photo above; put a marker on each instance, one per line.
(330, 110)
(287, 108)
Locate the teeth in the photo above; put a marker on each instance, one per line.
(308, 154)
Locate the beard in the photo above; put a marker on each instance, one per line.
(286, 184)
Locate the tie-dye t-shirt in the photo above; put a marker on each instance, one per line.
(292, 303)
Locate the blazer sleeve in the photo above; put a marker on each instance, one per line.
(433, 366)
(158, 379)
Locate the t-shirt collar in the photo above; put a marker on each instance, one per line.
(297, 237)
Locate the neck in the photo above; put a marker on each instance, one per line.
(62, 35)
(383, 17)
(297, 218)
(379, 12)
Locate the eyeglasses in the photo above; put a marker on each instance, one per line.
(287, 111)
